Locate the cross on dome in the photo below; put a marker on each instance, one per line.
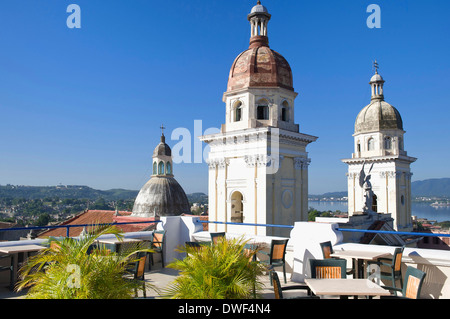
(375, 66)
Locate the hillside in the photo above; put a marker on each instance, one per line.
(434, 187)
(79, 192)
(431, 187)
(63, 192)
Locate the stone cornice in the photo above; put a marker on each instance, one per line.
(380, 159)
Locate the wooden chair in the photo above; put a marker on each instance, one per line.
(394, 264)
(277, 256)
(157, 244)
(327, 250)
(250, 251)
(413, 285)
(138, 271)
(215, 237)
(328, 268)
(278, 289)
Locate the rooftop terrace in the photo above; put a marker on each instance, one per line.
(304, 244)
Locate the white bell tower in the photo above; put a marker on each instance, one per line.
(258, 164)
(379, 153)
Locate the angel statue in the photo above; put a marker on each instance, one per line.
(364, 182)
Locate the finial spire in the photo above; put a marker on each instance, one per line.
(375, 66)
(163, 138)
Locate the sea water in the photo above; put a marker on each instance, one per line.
(419, 209)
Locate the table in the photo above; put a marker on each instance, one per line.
(346, 287)
(117, 242)
(14, 252)
(361, 257)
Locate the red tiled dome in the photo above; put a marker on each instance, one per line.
(260, 66)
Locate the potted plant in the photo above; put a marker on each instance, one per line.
(70, 269)
(225, 270)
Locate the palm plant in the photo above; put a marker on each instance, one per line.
(70, 272)
(217, 271)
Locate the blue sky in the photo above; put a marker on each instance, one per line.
(84, 106)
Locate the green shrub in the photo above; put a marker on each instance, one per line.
(69, 272)
(221, 271)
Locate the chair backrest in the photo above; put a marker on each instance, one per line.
(397, 259)
(328, 268)
(413, 282)
(250, 251)
(139, 270)
(327, 249)
(215, 237)
(158, 238)
(278, 250)
(55, 246)
(276, 285)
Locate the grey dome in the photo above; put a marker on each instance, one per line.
(376, 78)
(162, 148)
(376, 116)
(259, 8)
(161, 196)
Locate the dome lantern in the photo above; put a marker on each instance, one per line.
(376, 82)
(259, 18)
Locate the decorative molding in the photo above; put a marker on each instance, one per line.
(217, 162)
(301, 162)
(256, 160)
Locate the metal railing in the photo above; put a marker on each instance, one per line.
(227, 223)
(338, 229)
(78, 225)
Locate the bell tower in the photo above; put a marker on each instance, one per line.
(379, 174)
(258, 164)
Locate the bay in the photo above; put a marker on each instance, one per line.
(419, 209)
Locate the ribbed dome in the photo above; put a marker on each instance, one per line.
(259, 66)
(161, 196)
(376, 116)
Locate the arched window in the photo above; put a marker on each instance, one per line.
(237, 207)
(371, 144)
(358, 147)
(262, 110)
(387, 143)
(285, 111)
(155, 168)
(161, 168)
(237, 111)
(168, 168)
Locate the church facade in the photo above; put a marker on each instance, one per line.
(258, 163)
